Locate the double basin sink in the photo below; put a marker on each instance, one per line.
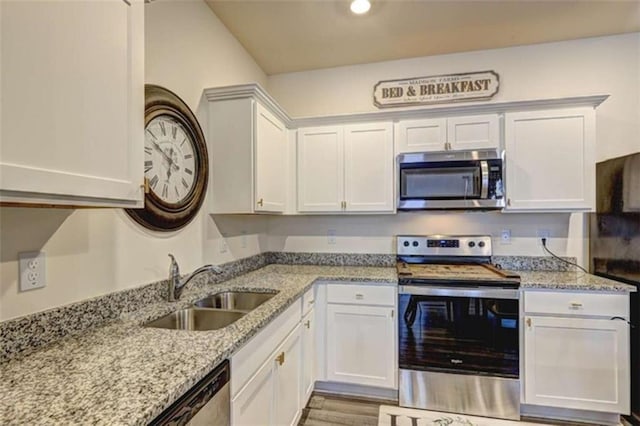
(213, 312)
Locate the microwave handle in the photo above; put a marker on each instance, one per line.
(484, 188)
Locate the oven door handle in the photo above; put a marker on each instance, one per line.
(477, 292)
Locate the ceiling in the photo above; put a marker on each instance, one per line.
(298, 35)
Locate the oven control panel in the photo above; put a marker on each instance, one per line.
(444, 245)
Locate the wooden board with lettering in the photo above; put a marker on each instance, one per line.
(436, 89)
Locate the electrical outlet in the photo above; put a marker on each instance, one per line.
(543, 233)
(331, 236)
(32, 270)
(223, 245)
(505, 237)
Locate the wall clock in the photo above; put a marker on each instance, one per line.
(175, 162)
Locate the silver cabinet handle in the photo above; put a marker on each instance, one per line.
(575, 305)
(359, 296)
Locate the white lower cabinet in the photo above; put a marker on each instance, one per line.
(270, 394)
(308, 356)
(361, 338)
(575, 362)
(254, 403)
(287, 378)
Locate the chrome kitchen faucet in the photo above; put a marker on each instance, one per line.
(176, 285)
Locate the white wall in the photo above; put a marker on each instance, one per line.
(605, 65)
(94, 252)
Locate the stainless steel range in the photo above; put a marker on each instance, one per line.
(458, 327)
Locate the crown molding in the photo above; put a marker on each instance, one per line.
(255, 91)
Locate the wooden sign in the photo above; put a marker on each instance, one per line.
(436, 89)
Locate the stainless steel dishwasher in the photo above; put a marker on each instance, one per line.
(207, 403)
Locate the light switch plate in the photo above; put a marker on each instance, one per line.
(32, 270)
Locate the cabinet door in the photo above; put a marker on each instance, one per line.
(421, 135)
(288, 379)
(254, 404)
(271, 162)
(73, 76)
(361, 345)
(368, 164)
(308, 356)
(320, 169)
(577, 363)
(550, 159)
(474, 132)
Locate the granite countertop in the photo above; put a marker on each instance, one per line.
(126, 374)
(578, 280)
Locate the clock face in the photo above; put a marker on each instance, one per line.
(170, 162)
(176, 165)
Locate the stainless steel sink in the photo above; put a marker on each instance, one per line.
(235, 300)
(195, 319)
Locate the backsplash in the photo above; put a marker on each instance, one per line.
(23, 335)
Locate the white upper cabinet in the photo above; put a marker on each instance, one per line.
(421, 135)
(444, 134)
(368, 164)
(321, 169)
(473, 132)
(73, 102)
(248, 154)
(346, 168)
(271, 162)
(550, 160)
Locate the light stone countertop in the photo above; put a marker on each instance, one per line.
(577, 281)
(125, 374)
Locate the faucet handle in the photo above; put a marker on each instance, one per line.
(174, 269)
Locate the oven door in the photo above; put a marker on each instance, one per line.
(459, 330)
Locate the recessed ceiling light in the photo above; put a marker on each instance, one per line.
(360, 6)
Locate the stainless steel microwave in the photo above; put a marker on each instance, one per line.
(465, 180)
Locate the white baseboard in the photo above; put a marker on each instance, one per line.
(346, 389)
(579, 416)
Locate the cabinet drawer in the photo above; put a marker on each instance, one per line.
(308, 301)
(361, 294)
(246, 361)
(576, 303)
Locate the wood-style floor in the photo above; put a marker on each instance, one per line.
(325, 410)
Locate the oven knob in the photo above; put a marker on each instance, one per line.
(472, 244)
(415, 244)
(481, 244)
(406, 244)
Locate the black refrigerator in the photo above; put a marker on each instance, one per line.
(614, 244)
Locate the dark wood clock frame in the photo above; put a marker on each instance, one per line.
(158, 215)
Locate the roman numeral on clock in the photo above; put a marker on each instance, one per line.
(174, 132)
(147, 150)
(154, 182)
(184, 182)
(188, 171)
(163, 128)
(148, 165)
(186, 157)
(165, 190)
